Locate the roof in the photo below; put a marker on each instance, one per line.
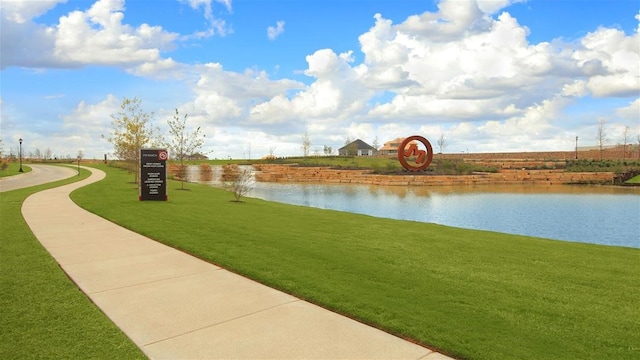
(394, 144)
(359, 145)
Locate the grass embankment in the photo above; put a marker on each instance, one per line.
(439, 166)
(470, 294)
(377, 164)
(13, 169)
(43, 314)
(634, 180)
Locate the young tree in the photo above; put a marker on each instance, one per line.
(625, 141)
(131, 132)
(601, 135)
(306, 144)
(237, 180)
(442, 143)
(376, 143)
(327, 150)
(351, 148)
(183, 143)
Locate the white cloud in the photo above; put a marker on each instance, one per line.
(616, 57)
(96, 36)
(228, 98)
(90, 126)
(467, 70)
(217, 26)
(631, 113)
(22, 11)
(274, 32)
(453, 20)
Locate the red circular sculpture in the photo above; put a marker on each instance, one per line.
(423, 158)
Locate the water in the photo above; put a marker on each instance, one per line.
(599, 215)
(590, 214)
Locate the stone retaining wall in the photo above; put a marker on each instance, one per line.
(630, 152)
(290, 173)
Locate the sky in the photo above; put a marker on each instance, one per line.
(256, 75)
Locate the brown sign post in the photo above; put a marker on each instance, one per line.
(153, 174)
(422, 157)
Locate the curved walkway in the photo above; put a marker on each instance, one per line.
(39, 174)
(175, 306)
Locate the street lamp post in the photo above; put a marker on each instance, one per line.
(576, 148)
(20, 141)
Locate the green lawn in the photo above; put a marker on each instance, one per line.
(43, 314)
(13, 169)
(634, 180)
(470, 294)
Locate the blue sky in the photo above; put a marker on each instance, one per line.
(256, 75)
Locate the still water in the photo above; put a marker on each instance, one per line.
(601, 215)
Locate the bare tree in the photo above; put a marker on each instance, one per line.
(237, 180)
(376, 143)
(183, 143)
(601, 135)
(442, 143)
(350, 147)
(48, 154)
(306, 144)
(132, 131)
(625, 140)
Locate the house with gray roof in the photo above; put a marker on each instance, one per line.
(357, 148)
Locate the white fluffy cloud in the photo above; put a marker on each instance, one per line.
(475, 73)
(467, 70)
(97, 36)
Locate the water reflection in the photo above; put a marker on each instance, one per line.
(602, 215)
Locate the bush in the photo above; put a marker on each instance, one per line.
(206, 174)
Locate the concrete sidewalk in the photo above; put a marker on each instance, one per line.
(39, 174)
(175, 306)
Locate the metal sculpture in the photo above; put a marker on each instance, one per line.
(422, 157)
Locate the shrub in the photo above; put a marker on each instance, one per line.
(206, 174)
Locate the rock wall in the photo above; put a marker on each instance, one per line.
(290, 173)
(630, 152)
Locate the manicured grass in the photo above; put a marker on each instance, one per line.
(470, 294)
(634, 180)
(13, 169)
(371, 162)
(43, 314)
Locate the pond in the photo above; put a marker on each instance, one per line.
(591, 214)
(600, 215)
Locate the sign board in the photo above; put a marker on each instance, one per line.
(153, 174)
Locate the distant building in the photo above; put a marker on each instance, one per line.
(197, 156)
(357, 148)
(390, 148)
